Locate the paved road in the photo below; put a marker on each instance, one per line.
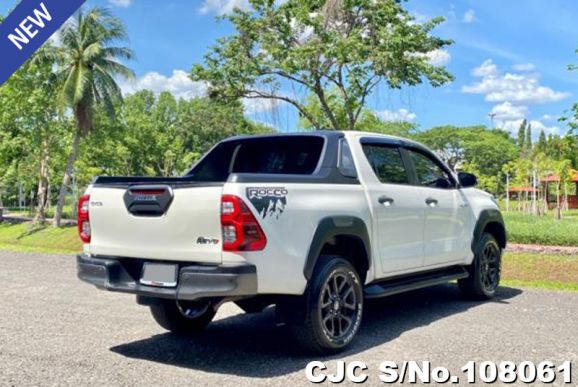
(55, 330)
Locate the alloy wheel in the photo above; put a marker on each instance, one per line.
(340, 307)
(490, 267)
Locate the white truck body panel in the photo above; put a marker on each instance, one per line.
(280, 265)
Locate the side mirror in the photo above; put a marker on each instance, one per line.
(467, 179)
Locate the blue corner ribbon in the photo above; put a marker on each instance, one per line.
(27, 27)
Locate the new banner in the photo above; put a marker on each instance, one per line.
(27, 27)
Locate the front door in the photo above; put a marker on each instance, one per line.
(447, 213)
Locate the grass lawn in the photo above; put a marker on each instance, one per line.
(554, 272)
(542, 230)
(20, 237)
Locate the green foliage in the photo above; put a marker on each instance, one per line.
(317, 46)
(522, 135)
(528, 143)
(542, 144)
(29, 127)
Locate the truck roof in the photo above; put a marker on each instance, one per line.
(335, 134)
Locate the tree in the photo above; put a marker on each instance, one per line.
(88, 63)
(31, 128)
(522, 135)
(563, 169)
(528, 142)
(286, 51)
(446, 142)
(368, 120)
(542, 145)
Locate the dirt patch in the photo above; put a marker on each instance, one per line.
(542, 249)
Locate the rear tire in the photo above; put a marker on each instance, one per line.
(484, 271)
(331, 308)
(170, 316)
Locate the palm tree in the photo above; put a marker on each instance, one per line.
(87, 63)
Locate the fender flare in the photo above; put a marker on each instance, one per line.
(486, 217)
(331, 227)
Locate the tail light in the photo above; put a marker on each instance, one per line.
(83, 218)
(241, 231)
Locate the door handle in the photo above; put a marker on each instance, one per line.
(431, 202)
(385, 200)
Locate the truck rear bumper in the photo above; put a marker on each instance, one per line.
(194, 281)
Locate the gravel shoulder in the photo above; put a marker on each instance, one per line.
(55, 330)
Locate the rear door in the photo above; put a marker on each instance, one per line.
(446, 237)
(397, 208)
(165, 222)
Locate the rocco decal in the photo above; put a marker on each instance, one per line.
(268, 201)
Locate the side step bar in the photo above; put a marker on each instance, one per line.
(406, 283)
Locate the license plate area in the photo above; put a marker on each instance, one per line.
(159, 274)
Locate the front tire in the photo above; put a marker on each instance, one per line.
(172, 317)
(333, 307)
(485, 270)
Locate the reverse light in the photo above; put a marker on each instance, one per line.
(241, 230)
(83, 218)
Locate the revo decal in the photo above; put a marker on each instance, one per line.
(268, 201)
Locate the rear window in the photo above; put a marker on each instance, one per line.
(288, 155)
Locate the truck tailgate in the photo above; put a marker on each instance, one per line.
(186, 228)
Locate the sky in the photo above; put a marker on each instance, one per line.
(509, 58)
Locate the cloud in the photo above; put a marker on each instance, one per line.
(397, 115)
(253, 105)
(439, 57)
(469, 16)
(512, 127)
(120, 3)
(514, 87)
(223, 7)
(506, 112)
(509, 117)
(524, 67)
(538, 126)
(179, 84)
(487, 68)
(549, 117)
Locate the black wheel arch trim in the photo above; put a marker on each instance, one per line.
(485, 218)
(331, 227)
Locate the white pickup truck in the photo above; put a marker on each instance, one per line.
(313, 223)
